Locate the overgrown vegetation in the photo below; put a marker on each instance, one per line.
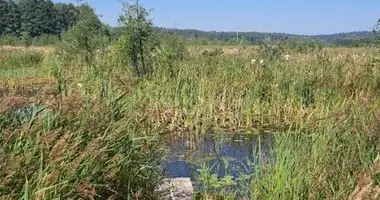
(88, 121)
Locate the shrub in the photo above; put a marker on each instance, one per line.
(138, 39)
(271, 50)
(87, 36)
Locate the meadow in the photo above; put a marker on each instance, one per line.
(70, 129)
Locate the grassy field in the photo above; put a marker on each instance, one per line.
(69, 130)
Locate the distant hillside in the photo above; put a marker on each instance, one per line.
(352, 35)
(258, 37)
(357, 36)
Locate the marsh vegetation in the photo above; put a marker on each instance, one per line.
(91, 117)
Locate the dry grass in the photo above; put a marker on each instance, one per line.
(330, 96)
(21, 49)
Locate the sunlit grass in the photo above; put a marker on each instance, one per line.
(322, 106)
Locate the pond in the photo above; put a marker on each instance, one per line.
(222, 153)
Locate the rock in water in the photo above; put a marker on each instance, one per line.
(176, 189)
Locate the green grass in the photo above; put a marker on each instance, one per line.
(77, 153)
(14, 64)
(16, 60)
(324, 110)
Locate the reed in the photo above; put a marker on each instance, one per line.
(95, 137)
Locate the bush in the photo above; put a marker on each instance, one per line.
(271, 50)
(82, 41)
(138, 40)
(215, 52)
(175, 44)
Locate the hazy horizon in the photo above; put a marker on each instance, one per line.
(272, 16)
(266, 31)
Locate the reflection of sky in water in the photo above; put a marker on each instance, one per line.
(186, 154)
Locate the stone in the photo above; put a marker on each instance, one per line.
(176, 189)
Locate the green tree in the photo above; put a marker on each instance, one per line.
(138, 39)
(13, 26)
(30, 23)
(37, 17)
(85, 37)
(46, 17)
(3, 16)
(65, 17)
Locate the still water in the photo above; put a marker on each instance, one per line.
(223, 153)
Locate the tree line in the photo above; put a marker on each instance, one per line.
(352, 39)
(34, 18)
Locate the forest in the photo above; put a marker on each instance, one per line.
(34, 18)
(350, 39)
(28, 19)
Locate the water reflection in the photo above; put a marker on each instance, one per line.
(225, 153)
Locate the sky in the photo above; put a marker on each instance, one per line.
(307, 17)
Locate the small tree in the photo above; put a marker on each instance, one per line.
(26, 39)
(376, 30)
(138, 39)
(83, 39)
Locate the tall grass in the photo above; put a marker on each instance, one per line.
(325, 110)
(78, 150)
(229, 93)
(91, 143)
(43, 40)
(18, 64)
(327, 162)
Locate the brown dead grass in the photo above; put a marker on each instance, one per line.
(29, 81)
(13, 102)
(366, 187)
(43, 50)
(25, 88)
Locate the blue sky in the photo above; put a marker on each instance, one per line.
(288, 16)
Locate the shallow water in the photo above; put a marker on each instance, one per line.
(223, 153)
